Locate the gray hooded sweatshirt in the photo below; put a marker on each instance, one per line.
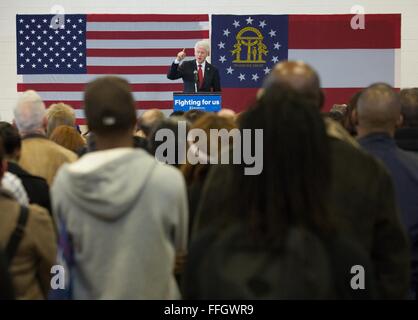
(127, 217)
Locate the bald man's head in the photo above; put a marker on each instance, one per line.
(379, 109)
(298, 76)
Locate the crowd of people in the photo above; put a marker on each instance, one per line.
(337, 193)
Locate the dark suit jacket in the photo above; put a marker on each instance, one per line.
(403, 167)
(36, 187)
(186, 70)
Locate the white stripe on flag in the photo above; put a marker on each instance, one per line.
(130, 61)
(78, 95)
(349, 68)
(147, 26)
(84, 78)
(143, 44)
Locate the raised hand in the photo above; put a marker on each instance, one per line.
(181, 55)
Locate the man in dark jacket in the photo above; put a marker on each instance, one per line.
(36, 187)
(198, 74)
(361, 197)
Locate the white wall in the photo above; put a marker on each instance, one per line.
(9, 8)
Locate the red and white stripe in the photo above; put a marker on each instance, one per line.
(346, 59)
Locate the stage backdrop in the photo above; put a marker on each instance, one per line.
(58, 61)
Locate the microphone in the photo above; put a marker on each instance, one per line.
(196, 80)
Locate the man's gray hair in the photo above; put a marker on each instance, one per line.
(203, 44)
(29, 112)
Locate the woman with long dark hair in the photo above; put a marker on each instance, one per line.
(272, 236)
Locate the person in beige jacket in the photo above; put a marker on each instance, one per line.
(31, 265)
(39, 156)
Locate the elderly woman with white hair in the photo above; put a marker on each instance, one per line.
(198, 75)
(39, 156)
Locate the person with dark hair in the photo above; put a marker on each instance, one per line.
(281, 240)
(379, 114)
(193, 115)
(147, 120)
(28, 238)
(36, 187)
(361, 193)
(407, 136)
(123, 238)
(350, 121)
(170, 150)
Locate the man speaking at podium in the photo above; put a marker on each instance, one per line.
(198, 74)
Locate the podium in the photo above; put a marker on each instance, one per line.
(205, 101)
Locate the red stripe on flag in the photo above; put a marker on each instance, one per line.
(164, 104)
(195, 34)
(147, 17)
(238, 99)
(76, 104)
(68, 87)
(21, 87)
(136, 52)
(382, 31)
(127, 69)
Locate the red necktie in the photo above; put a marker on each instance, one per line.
(200, 76)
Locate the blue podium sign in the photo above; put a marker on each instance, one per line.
(205, 101)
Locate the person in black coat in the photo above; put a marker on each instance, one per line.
(198, 75)
(36, 187)
(407, 135)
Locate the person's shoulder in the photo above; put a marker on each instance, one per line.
(24, 175)
(39, 213)
(344, 152)
(67, 154)
(171, 173)
(168, 179)
(39, 221)
(354, 167)
(188, 63)
(51, 148)
(210, 65)
(409, 156)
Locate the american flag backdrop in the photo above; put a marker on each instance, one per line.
(58, 62)
(140, 47)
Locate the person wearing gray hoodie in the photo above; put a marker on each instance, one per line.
(122, 214)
